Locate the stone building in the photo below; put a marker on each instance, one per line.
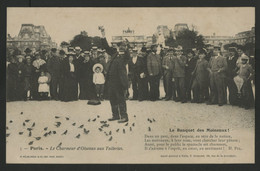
(32, 37)
(240, 38)
(134, 40)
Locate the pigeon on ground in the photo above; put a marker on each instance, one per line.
(23, 124)
(133, 124)
(123, 130)
(46, 134)
(58, 124)
(94, 120)
(126, 124)
(89, 120)
(21, 113)
(45, 129)
(134, 116)
(149, 129)
(81, 126)
(74, 124)
(78, 136)
(37, 138)
(130, 129)
(110, 132)
(49, 132)
(100, 129)
(86, 131)
(20, 133)
(65, 132)
(153, 119)
(7, 128)
(67, 118)
(54, 132)
(31, 143)
(117, 130)
(30, 134)
(7, 135)
(59, 144)
(29, 129)
(110, 139)
(11, 121)
(28, 120)
(57, 117)
(33, 124)
(98, 116)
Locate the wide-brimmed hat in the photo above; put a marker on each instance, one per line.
(87, 52)
(244, 57)
(94, 48)
(97, 66)
(28, 57)
(179, 48)
(20, 56)
(77, 48)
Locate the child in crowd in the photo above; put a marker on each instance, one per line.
(99, 80)
(243, 83)
(43, 89)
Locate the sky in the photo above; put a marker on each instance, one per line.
(62, 24)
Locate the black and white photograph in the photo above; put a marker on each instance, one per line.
(165, 85)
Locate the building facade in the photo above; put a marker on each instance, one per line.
(134, 40)
(240, 38)
(32, 37)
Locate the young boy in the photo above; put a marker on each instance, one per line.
(99, 80)
(200, 78)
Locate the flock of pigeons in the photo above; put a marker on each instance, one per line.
(104, 127)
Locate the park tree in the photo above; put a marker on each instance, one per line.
(85, 42)
(190, 39)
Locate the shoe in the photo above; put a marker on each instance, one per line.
(113, 119)
(210, 103)
(167, 99)
(123, 120)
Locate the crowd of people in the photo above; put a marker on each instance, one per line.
(193, 75)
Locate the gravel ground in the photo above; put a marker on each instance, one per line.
(48, 120)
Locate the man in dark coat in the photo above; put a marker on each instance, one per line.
(21, 78)
(231, 73)
(53, 67)
(189, 68)
(28, 77)
(137, 72)
(117, 80)
(154, 68)
(217, 69)
(167, 65)
(87, 88)
(12, 77)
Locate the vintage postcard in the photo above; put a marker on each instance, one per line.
(130, 85)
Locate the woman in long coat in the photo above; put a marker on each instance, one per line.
(70, 79)
(86, 77)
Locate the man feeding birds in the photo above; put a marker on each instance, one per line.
(116, 77)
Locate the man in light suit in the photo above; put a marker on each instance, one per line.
(217, 70)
